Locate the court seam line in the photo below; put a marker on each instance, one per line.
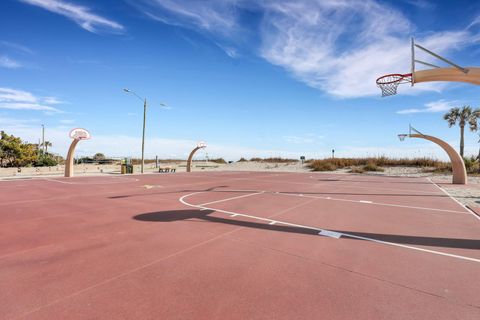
(357, 273)
(342, 233)
(458, 202)
(346, 185)
(92, 183)
(232, 198)
(68, 196)
(134, 270)
(333, 199)
(22, 251)
(70, 213)
(99, 284)
(372, 203)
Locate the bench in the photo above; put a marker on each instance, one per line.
(166, 169)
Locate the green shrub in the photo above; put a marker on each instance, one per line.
(46, 161)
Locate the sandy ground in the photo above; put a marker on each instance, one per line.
(468, 195)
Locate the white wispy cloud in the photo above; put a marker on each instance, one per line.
(13, 95)
(67, 121)
(79, 14)
(16, 47)
(52, 100)
(217, 16)
(339, 47)
(229, 51)
(308, 138)
(125, 145)
(14, 99)
(17, 123)
(27, 106)
(431, 107)
(9, 63)
(422, 4)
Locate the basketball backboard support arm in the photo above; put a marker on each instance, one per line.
(389, 83)
(427, 64)
(458, 166)
(412, 70)
(410, 129)
(464, 70)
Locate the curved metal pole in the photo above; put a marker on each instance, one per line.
(448, 74)
(190, 157)
(69, 161)
(458, 166)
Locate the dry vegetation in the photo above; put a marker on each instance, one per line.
(273, 160)
(471, 164)
(360, 165)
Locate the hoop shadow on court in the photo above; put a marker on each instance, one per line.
(204, 215)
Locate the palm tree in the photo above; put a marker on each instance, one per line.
(478, 157)
(465, 115)
(474, 127)
(47, 144)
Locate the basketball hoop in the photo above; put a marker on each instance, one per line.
(402, 136)
(201, 145)
(389, 83)
(79, 134)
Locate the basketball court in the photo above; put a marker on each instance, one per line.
(236, 245)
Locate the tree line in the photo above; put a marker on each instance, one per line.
(17, 153)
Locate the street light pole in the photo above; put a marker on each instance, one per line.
(144, 123)
(43, 138)
(143, 133)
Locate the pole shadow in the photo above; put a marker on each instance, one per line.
(213, 189)
(373, 181)
(198, 215)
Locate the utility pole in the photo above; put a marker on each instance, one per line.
(144, 121)
(143, 134)
(43, 138)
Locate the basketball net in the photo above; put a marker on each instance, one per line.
(389, 83)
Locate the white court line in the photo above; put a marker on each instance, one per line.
(333, 199)
(232, 198)
(348, 185)
(90, 183)
(372, 203)
(383, 189)
(182, 200)
(461, 204)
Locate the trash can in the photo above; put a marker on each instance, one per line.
(126, 168)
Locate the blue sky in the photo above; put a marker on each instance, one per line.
(251, 78)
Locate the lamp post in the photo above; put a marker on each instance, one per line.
(144, 121)
(43, 138)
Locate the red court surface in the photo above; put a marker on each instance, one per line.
(236, 245)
